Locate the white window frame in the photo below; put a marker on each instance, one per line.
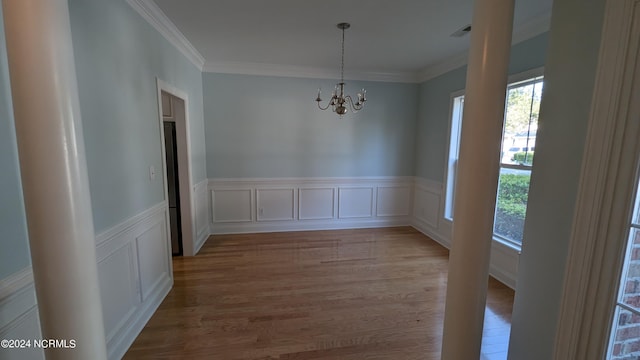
(449, 185)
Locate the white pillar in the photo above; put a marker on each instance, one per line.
(477, 178)
(54, 175)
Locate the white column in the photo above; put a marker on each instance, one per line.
(54, 175)
(477, 179)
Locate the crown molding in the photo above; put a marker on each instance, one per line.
(156, 18)
(528, 30)
(264, 69)
(442, 67)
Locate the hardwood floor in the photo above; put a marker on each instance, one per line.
(346, 294)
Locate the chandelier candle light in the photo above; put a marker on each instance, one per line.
(339, 101)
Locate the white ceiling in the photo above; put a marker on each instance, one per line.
(402, 37)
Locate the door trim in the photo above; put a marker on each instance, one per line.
(187, 222)
(605, 195)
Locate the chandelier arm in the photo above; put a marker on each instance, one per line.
(354, 108)
(324, 108)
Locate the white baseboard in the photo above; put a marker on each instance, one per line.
(429, 231)
(305, 226)
(503, 276)
(202, 238)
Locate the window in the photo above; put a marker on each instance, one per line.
(518, 145)
(516, 157)
(625, 331)
(457, 104)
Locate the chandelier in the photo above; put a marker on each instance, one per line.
(339, 101)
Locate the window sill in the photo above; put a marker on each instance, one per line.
(508, 243)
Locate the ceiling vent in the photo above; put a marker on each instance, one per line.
(462, 32)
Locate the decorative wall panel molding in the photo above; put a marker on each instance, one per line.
(275, 204)
(504, 263)
(393, 201)
(119, 288)
(428, 202)
(287, 204)
(135, 274)
(316, 203)
(231, 205)
(355, 202)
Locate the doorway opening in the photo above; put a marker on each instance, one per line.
(176, 168)
(173, 185)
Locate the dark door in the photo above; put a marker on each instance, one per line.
(172, 184)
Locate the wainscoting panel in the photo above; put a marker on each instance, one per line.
(393, 201)
(201, 205)
(355, 202)
(134, 275)
(153, 255)
(427, 206)
(19, 315)
(427, 215)
(275, 204)
(428, 218)
(134, 272)
(287, 204)
(118, 288)
(316, 204)
(232, 205)
(504, 263)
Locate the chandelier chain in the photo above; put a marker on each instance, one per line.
(342, 61)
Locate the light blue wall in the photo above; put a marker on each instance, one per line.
(434, 103)
(14, 242)
(564, 113)
(118, 56)
(259, 126)
(433, 122)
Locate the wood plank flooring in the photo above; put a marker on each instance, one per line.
(346, 294)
